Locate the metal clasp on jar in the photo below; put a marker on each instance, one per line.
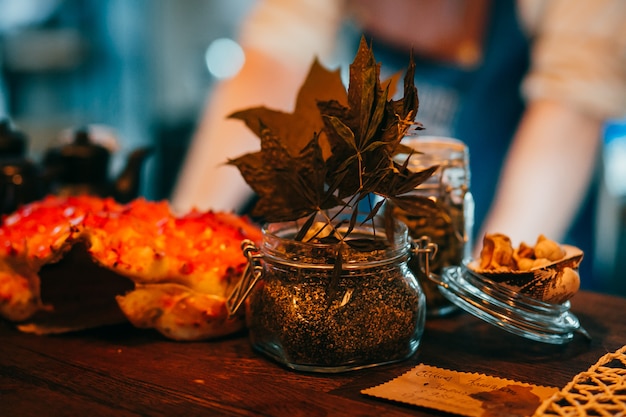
(251, 274)
(426, 250)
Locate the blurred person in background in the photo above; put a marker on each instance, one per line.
(526, 85)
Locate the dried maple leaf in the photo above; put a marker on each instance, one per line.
(336, 149)
(296, 129)
(365, 135)
(289, 187)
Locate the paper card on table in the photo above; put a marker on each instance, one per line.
(467, 394)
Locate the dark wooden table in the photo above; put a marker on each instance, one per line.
(123, 371)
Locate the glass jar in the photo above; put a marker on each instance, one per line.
(309, 315)
(450, 225)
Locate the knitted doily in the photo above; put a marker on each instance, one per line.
(599, 391)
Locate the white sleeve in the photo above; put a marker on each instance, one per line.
(578, 54)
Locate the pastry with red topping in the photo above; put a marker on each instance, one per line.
(135, 261)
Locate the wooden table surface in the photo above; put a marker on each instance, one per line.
(123, 371)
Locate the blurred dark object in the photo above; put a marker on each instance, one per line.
(172, 139)
(82, 167)
(21, 181)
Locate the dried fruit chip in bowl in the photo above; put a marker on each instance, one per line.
(547, 271)
(78, 262)
(497, 253)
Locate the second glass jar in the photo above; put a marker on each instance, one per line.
(450, 225)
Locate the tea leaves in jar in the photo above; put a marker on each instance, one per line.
(443, 228)
(303, 317)
(364, 320)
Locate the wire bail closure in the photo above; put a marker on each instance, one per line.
(426, 250)
(251, 274)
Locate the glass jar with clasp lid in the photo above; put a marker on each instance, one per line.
(443, 232)
(449, 222)
(332, 307)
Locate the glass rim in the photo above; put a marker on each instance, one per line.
(280, 234)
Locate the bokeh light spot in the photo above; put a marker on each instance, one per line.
(224, 58)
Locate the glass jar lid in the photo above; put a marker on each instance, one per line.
(509, 310)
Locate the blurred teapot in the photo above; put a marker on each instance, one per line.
(81, 166)
(20, 178)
